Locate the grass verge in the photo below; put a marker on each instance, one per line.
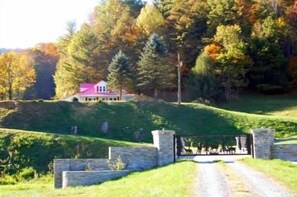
(283, 171)
(169, 181)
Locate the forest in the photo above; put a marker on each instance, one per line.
(226, 47)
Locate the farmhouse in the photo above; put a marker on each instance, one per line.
(97, 92)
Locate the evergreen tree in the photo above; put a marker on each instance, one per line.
(121, 73)
(79, 64)
(154, 73)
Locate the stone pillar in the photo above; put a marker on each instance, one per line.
(60, 165)
(263, 140)
(163, 141)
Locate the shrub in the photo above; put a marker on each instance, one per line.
(7, 180)
(26, 174)
(117, 165)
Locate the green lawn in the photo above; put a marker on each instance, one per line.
(290, 140)
(169, 181)
(125, 118)
(278, 105)
(283, 171)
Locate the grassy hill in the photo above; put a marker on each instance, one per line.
(124, 119)
(275, 105)
(24, 154)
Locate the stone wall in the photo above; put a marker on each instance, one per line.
(76, 172)
(263, 140)
(137, 158)
(285, 152)
(61, 165)
(81, 178)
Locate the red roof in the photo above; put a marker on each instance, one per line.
(89, 89)
(86, 85)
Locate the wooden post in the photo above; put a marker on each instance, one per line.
(179, 65)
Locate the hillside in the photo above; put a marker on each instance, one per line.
(24, 153)
(124, 120)
(276, 105)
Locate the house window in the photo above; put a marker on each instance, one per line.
(100, 88)
(97, 89)
(103, 88)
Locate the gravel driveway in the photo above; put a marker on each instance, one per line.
(212, 181)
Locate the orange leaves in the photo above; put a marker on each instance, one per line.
(213, 51)
(16, 73)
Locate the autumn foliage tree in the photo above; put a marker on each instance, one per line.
(16, 74)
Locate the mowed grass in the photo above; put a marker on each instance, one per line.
(126, 118)
(282, 171)
(276, 105)
(290, 140)
(168, 181)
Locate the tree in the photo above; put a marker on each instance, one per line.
(79, 63)
(150, 20)
(222, 12)
(268, 74)
(135, 6)
(16, 73)
(154, 73)
(116, 29)
(185, 26)
(45, 56)
(62, 81)
(201, 81)
(232, 62)
(121, 73)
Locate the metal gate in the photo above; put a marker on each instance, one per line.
(194, 145)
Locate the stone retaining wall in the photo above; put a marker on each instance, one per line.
(137, 158)
(285, 152)
(61, 165)
(82, 178)
(76, 172)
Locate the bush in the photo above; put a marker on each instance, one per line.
(117, 165)
(7, 180)
(26, 174)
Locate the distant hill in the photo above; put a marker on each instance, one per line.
(134, 121)
(4, 50)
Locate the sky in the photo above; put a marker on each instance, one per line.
(24, 23)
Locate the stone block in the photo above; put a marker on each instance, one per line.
(263, 140)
